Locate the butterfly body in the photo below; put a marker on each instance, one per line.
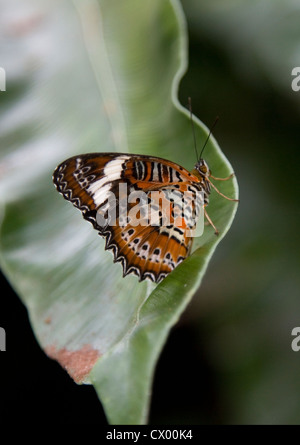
(155, 246)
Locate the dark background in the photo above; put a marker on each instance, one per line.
(229, 359)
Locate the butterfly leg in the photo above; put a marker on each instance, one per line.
(210, 222)
(222, 179)
(224, 196)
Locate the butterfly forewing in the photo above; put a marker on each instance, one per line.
(144, 244)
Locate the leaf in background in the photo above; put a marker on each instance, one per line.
(94, 76)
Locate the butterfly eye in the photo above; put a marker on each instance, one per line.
(203, 169)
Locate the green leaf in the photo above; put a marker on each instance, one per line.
(96, 76)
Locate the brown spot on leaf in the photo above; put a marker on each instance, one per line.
(25, 25)
(78, 363)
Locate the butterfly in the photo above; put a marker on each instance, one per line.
(106, 188)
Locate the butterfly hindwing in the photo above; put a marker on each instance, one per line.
(148, 250)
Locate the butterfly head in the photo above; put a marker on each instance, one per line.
(202, 172)
(202, 168)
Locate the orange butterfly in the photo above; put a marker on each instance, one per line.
(104, 186)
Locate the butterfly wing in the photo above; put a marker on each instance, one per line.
(91, 182)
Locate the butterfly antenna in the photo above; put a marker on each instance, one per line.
(193, 128)
(210, 131)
